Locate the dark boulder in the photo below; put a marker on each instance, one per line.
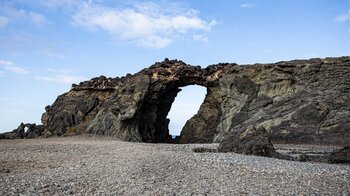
(340, 156)
(251, 141)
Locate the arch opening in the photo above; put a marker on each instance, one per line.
(154, 119)
(185, 106)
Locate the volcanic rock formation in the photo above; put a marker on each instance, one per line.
(24, 131)
(300, 101)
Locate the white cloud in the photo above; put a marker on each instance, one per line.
(145, 24)
(344, 17)
(61, 76)
(3, 22)
(10, 66)
(248, 5)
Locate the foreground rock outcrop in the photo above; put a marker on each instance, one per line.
(340, 156)
(252, 141)
(300, 101)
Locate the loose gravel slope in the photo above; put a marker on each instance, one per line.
(88, 165)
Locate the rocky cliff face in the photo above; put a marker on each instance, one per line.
(296, 101)
(303, 101)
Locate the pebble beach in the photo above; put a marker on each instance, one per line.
(93, 165)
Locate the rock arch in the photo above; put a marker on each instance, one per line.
(135, 107)
(272, 96)
(153, 124)
(24, 130)
(166, 79)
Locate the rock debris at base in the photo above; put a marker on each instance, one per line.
(90, 165)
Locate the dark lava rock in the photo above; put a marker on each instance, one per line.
(340, 156)
(251, 141)
(24, 131)
(313, 158)
(337, 156)
(300, 101)
(135, 108)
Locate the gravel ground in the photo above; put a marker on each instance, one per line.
(90, 165)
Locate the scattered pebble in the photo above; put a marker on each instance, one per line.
(86, 165)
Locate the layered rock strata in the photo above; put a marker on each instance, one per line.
(300, 101)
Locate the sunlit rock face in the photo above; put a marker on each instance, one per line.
(301, 101)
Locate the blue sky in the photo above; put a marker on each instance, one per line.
(45, 45)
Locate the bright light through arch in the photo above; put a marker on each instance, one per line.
(185, 106)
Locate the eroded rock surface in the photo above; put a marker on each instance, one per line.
(300, 101)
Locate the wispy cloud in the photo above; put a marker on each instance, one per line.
(65, 79)
(10, 66)
(248, 5)
(30, 43)
(146, 24)
(13, 14)
(61, 76)
(37, 18)
(344, 17)
(57, 3)
(3, 22)
(199, 37)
